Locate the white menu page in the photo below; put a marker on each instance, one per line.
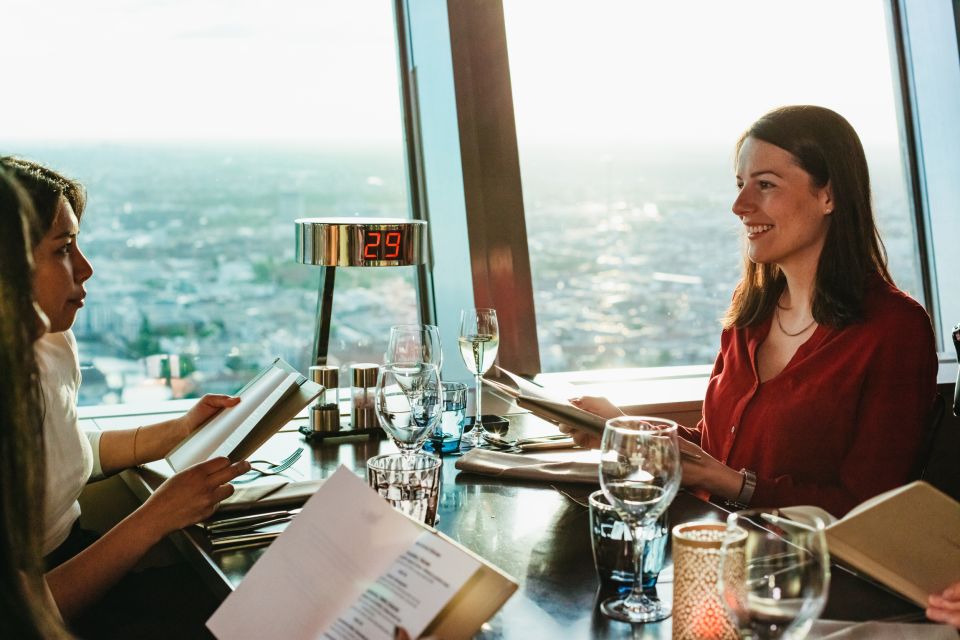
(349, 566)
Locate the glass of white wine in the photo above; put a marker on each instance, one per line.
(479, 341)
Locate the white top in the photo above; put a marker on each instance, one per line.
(73, 456)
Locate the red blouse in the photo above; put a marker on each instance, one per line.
(845, 418)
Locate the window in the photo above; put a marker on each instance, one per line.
(201, 131)
(626, 116)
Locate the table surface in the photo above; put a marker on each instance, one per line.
(537, 533)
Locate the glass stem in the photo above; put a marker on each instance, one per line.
(478, 423)
(636, 599)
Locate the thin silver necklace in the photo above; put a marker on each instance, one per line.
(792, 335)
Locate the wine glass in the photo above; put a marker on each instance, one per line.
(774, 574)
(414, 343)
(408, 401)
(479, 341)
(640, 475)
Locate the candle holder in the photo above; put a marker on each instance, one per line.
(698, 612)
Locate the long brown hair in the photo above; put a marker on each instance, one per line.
(23, 608)
(824, 145)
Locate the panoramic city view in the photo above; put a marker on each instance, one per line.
(199, 162)
(196, 286)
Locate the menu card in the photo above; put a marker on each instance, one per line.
(547, 405)
(271, 399)
(907, 538)
(351, 566)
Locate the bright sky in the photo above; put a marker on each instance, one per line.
(325, 70)
(695, 70)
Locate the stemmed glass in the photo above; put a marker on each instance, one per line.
(775, 585)
(414, 343)
(479, 341)
(640, 475)
(409, 404)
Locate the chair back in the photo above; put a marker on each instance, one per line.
(930, 438)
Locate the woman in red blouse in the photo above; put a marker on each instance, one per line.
(826, 371)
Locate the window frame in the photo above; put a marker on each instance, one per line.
(493, 246)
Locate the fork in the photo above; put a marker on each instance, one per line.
(272, 470)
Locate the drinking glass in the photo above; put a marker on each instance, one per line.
(409, 404)
(640, 475)
(446, 437)
(414, 343)
(410, 485)
(479, 341)
(778, 585)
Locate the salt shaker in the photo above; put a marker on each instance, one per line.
(325, 411)
(364, 377)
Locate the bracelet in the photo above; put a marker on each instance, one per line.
(136, 461)
(747, 488)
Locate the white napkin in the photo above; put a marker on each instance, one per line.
(580, 465)
(839, 630)
(277, 494)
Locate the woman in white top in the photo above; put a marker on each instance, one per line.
(74, 457)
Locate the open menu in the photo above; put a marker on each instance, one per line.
(351, 566)
(544, 404)
(908, 539)
(270, 400)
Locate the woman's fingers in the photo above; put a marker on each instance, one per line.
(952, 592)
(226, 474)
(943, 615)
(219, 401)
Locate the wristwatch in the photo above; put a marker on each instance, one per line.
(747, 488)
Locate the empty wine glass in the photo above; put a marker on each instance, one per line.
(775, 585)
(640, 476)
(409, 404)
(414, 343)
(479, 341)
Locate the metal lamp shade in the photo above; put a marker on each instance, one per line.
(360, 242)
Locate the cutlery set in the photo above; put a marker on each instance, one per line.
(247, 531)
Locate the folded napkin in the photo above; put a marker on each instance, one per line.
(275, 494)
(581, 465)
(838, 630)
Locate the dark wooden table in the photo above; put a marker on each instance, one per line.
(536, 533)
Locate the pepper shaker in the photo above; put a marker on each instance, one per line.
(362, 412)
(325, 411)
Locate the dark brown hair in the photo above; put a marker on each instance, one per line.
(23, 610)
(45, 188)
(824, 145)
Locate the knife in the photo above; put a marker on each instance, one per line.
(251, 521)
(244, 540)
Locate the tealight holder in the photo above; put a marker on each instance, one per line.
(698, 612)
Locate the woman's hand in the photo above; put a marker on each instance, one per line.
(597, 406)
(703, 471)
(191, 495)
(945, 607)
(205, 408)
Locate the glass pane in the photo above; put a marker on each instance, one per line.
(627, 113)
(201, 131)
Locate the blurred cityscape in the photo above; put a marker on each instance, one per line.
(634, 257)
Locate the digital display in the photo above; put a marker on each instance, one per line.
(382, 245)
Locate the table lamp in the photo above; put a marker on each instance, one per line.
(354, 242)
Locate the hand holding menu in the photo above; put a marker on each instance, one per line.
(274, 397)
(352, 566)
(543, 404)
(907, 539)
